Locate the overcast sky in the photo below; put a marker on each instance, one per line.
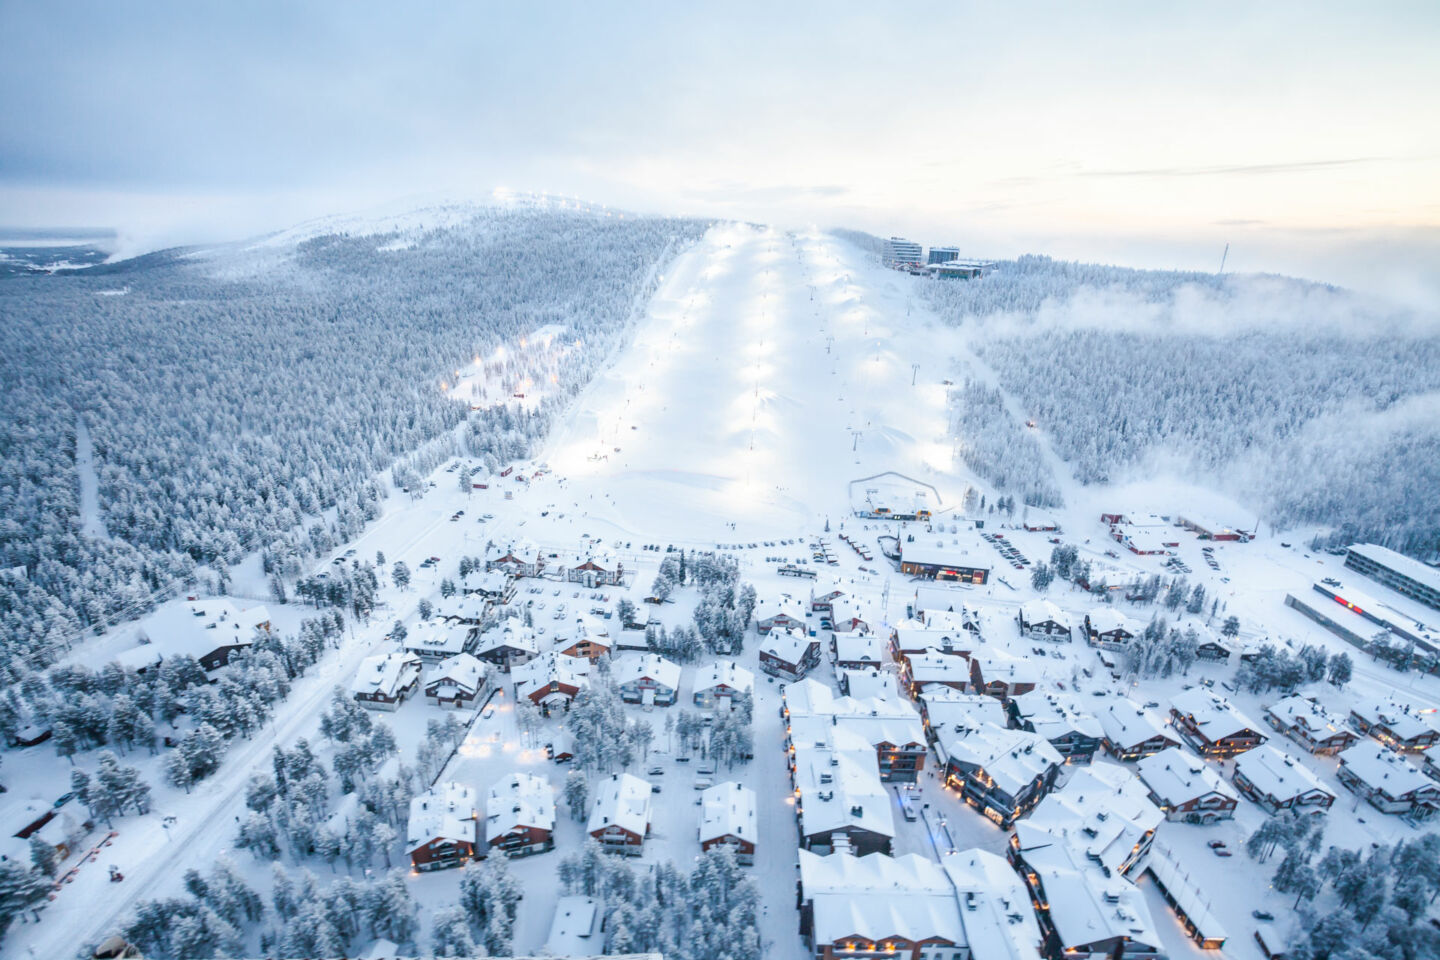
(1304, 135)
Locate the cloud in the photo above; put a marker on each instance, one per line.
(1237, 170)
(741, 193)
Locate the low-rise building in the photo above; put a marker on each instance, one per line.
(840, 802)
(593, 568)
(1133, 731)
(912, 637)
(1212, 725)
(494, 586)
(443, 829)
(923, 672)
(1388, 781)
(1003, 675)
(945, 708)
(620, 813)
(385, 680)
(211, 630)
(957, 563)
(1400, 726)
(465, 611)
(1278, 781)
(551, 680)
(720, 683)
(857, 651)
(584, 637)
(784, 615)
(520, 815)
(507, 645)
(518, 559)
(1310, 725)
(727, 818)
(1109, 629)
(1045, 621)
(974, 906)
(436, 640)
(1103, 810)
(789, 654)
(646, 678)
(891, 726)
(1060, 718)
(461, 681)
(1000, 772)
(577, 929)
(869, 684)
(1187, 788)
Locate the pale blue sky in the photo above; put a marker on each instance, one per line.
(1304, 134)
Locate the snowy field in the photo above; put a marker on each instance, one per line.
(770, 371)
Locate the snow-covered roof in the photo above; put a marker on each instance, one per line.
(953, 710)
(1107, 619)
(519, 800)
(1405, 720)
(999, 920)
(511, 633)
(935, 596)
(1039, 611)
(1012, 758)
(912, 638)
(1177, 776)
(839, 782)
(728, 810)
(194, 628)
(787, 645)
(436, 637)
(1085, 905)
(1215, 715)
(935, 667)
(787, 606)
(632, 668)
(813, 706)
(550, 668)
(472, 607)
(620, 800)
(447, 812)
(1383, 769)
(493, 581)
(997, 665)
(1414, 569)
(967, 616)
(1277, 774)
(928, 552)
(726, 672)
(521, 549)
(573, 929)
(1127, 724)
(1296, 710)
(462, 669)
(859, 647)
(869, 683)
(386, 673)
(1054, 714)
(1103, 809)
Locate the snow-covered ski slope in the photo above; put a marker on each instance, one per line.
(770, 369)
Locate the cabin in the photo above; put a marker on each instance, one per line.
(1212, 725)
(789, 655)
(728, 819)
(459, 682)
(720, 683)
(383, 682)
(620, 814)
(1109, 629)
(1043, 620)
(443, 830)
(520, 815)
(1310, 725)
(1277, 781)
(1186, 788)
(551, 680)
(647, 679)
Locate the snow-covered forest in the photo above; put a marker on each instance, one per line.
(245, 398)
(1309, 401)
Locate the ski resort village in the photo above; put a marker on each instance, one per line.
(740, 658)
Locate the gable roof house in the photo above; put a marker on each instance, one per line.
(1310, 725)
(586, 637)
(1400, 726)
(784, 615)
(1278, 781)
(840, 803)
(1187, 788)
(507, 645)
(1212, 725)
(620, 813)
(551, 680)
(210, 630)
(1133, 731)
(857, 651)
(443, 827)
(892, 727)
(727, 818)
(518, 559)
(911, 637)
(520, 815)
(789, 654)
(1045, 621)
(436, 640)
(1110, 629)
(1103, 810)
(646, 678)
(1388, 781)
(1060, 718)
(922, 672)
(457, 682)
(1003, 675)
(385, 680)
(1000, 772)
(721, 682)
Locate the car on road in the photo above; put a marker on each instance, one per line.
(1262, 915)
(656, 771)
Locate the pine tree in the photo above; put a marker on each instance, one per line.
(43, 856)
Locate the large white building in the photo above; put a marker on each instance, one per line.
(899, 251)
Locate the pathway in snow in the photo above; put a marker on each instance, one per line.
(91, 523)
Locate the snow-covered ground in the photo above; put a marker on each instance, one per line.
(769, 371)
